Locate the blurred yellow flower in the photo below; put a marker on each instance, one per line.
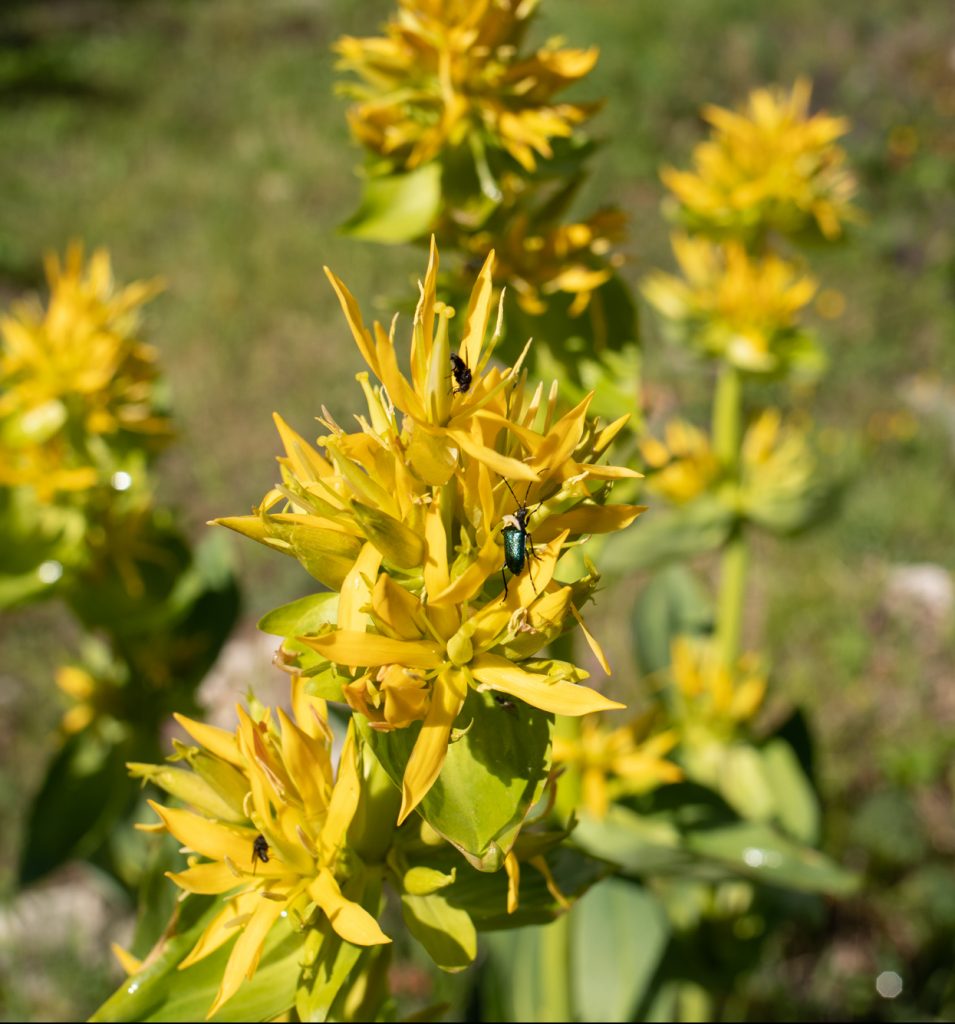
(617, 762)
(710, 700)
(537, 261)
(769, 166)
(448, 72)
(269, 822)
(682, 466)
(741, 308)
(75, 372)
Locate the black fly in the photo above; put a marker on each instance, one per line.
(461, 373)
(260, 850)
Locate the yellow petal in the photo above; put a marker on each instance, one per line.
(307, 464)
(513, 868)
(436, 547)
(209, 838)
(245, 955)
(344, 797)
(591, 641)
(356, 593)
(347, 647)
(217, 741)
(307, 762)
(431, 747)
(222, 927)
(127, 961)
(353, 315)
(207, 879)
(590, 519)
(503, 465)
(351, 921)
(479, 312)
(558, 697)
(396, 608)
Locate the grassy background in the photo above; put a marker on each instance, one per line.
(200, 141)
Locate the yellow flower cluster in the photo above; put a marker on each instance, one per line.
(710, 700)
(448, 72)
(540, 261)
(771, 165)
(615, 763)
(741, 308)
(682, 466)
(407, 519)
(267, 829)
(73, 373)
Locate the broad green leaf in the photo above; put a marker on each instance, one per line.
(302, 617)
(161, 992)
(491, 776)
(673, 603)
(85, 794)
(446, 932)
(759, 852)
(484, 894)
(399, 207)
(638, 843)
(797, 807)
(669, 535)
(618, 934)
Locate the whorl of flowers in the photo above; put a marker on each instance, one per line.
(450, 71)
(735, 306)
(75, 377)
(404, 517)
(769, 165)
(266, 826)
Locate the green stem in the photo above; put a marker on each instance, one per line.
(731, 597)
(727, 416)
(557, 999)
(727, 435)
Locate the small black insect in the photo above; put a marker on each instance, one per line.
(260, 850)
(504, 702)
(517, 541)
(461, 373)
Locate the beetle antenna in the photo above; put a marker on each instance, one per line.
(511, 489)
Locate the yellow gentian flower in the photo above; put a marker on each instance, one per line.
(682, 466)
(617, 762)
(741, 308)
(267, 832)
(769, 165)
(75, 367)
(449, 72)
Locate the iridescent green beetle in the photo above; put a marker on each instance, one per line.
(517, 541)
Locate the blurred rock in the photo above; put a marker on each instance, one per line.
(919, 592)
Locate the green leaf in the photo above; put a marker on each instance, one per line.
(617, 923)
(161, 992)
(797, 807)
(671, 535)
(673, 603)
(759, 852)
(303, 617)
(446, 932)
(483, 895)
(85, 794)
(637, 842)
(491, 776)
(399, 207)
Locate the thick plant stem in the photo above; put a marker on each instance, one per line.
(731, 597)
(727, 416)
(557, 999)
(727, 434)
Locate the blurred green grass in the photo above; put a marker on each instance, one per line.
(200, 141)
